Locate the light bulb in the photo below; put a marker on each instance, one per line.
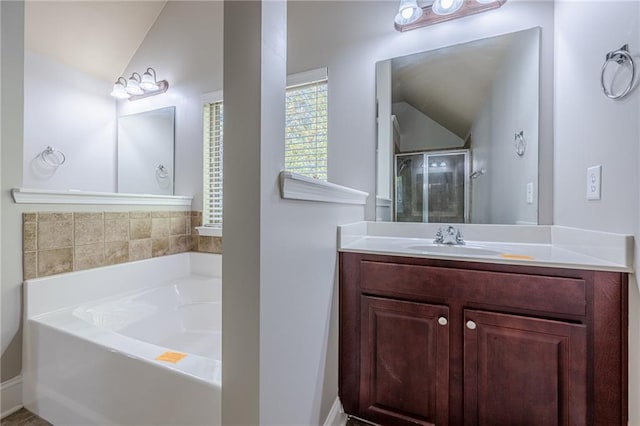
(148, 82)
(408, 12)
(133, 85)
(446, 7)
(119, 91)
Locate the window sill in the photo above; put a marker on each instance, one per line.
(297, 187)
(48, 196)
(208, 231)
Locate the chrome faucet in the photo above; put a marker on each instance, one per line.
(450, 235)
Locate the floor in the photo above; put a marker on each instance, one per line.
(23, 418)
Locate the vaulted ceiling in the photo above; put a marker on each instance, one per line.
(96, 37)
(449, 85)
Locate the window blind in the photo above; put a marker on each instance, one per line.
(306, 129)
(212, 167)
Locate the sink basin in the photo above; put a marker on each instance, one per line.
(445, 249)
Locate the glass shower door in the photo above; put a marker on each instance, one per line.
(432, 187)
(446, 189)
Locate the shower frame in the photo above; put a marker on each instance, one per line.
(425, 180)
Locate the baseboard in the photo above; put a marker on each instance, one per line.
(10, 396)
(336, 416)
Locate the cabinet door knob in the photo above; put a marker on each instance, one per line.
(471, 325)
(443, 321)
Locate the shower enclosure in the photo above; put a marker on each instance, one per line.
(432, 187)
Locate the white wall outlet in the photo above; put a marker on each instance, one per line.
(530, 193)
(594, 176)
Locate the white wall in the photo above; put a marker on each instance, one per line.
(184, 46)
(591, 129)
(11, 101)
(73, 112)
(419, 132)
(511, 106)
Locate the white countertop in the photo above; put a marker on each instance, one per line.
(546, 246)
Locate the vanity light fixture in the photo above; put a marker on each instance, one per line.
(139, 87)
(442, 11)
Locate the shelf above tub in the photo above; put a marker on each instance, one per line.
(48, 196)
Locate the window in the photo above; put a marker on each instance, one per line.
(305, 137)
(306, 128)
(212, 164)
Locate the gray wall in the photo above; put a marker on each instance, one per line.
(72, 112)
(511, 106)
(419, 132)
(591, 129)
(11, 98)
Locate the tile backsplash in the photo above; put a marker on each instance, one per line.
(56, 242)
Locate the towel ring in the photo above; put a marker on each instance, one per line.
(53, 157)
(620, 56)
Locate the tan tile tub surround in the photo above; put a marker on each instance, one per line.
(54, 243)
(202, 243)
(57, 242)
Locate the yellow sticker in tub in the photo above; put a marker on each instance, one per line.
(517, 256)
(172, 357)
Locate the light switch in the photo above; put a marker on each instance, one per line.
(530, 193)
(594, 176)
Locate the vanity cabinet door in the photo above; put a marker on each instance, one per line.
(404, 362)
(523, 371)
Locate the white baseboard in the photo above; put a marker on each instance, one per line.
(10, 396)
(336, 416)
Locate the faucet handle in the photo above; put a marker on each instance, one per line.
(459, 239)
(439, 237)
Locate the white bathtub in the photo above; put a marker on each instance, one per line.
(130, 344)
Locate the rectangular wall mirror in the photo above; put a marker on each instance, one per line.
(458, 133)
(146, 152)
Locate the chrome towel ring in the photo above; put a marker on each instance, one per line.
(52, 157)
(621, 57)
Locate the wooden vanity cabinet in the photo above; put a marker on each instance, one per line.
(434, 342)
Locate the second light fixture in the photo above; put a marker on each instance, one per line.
(138, 87)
